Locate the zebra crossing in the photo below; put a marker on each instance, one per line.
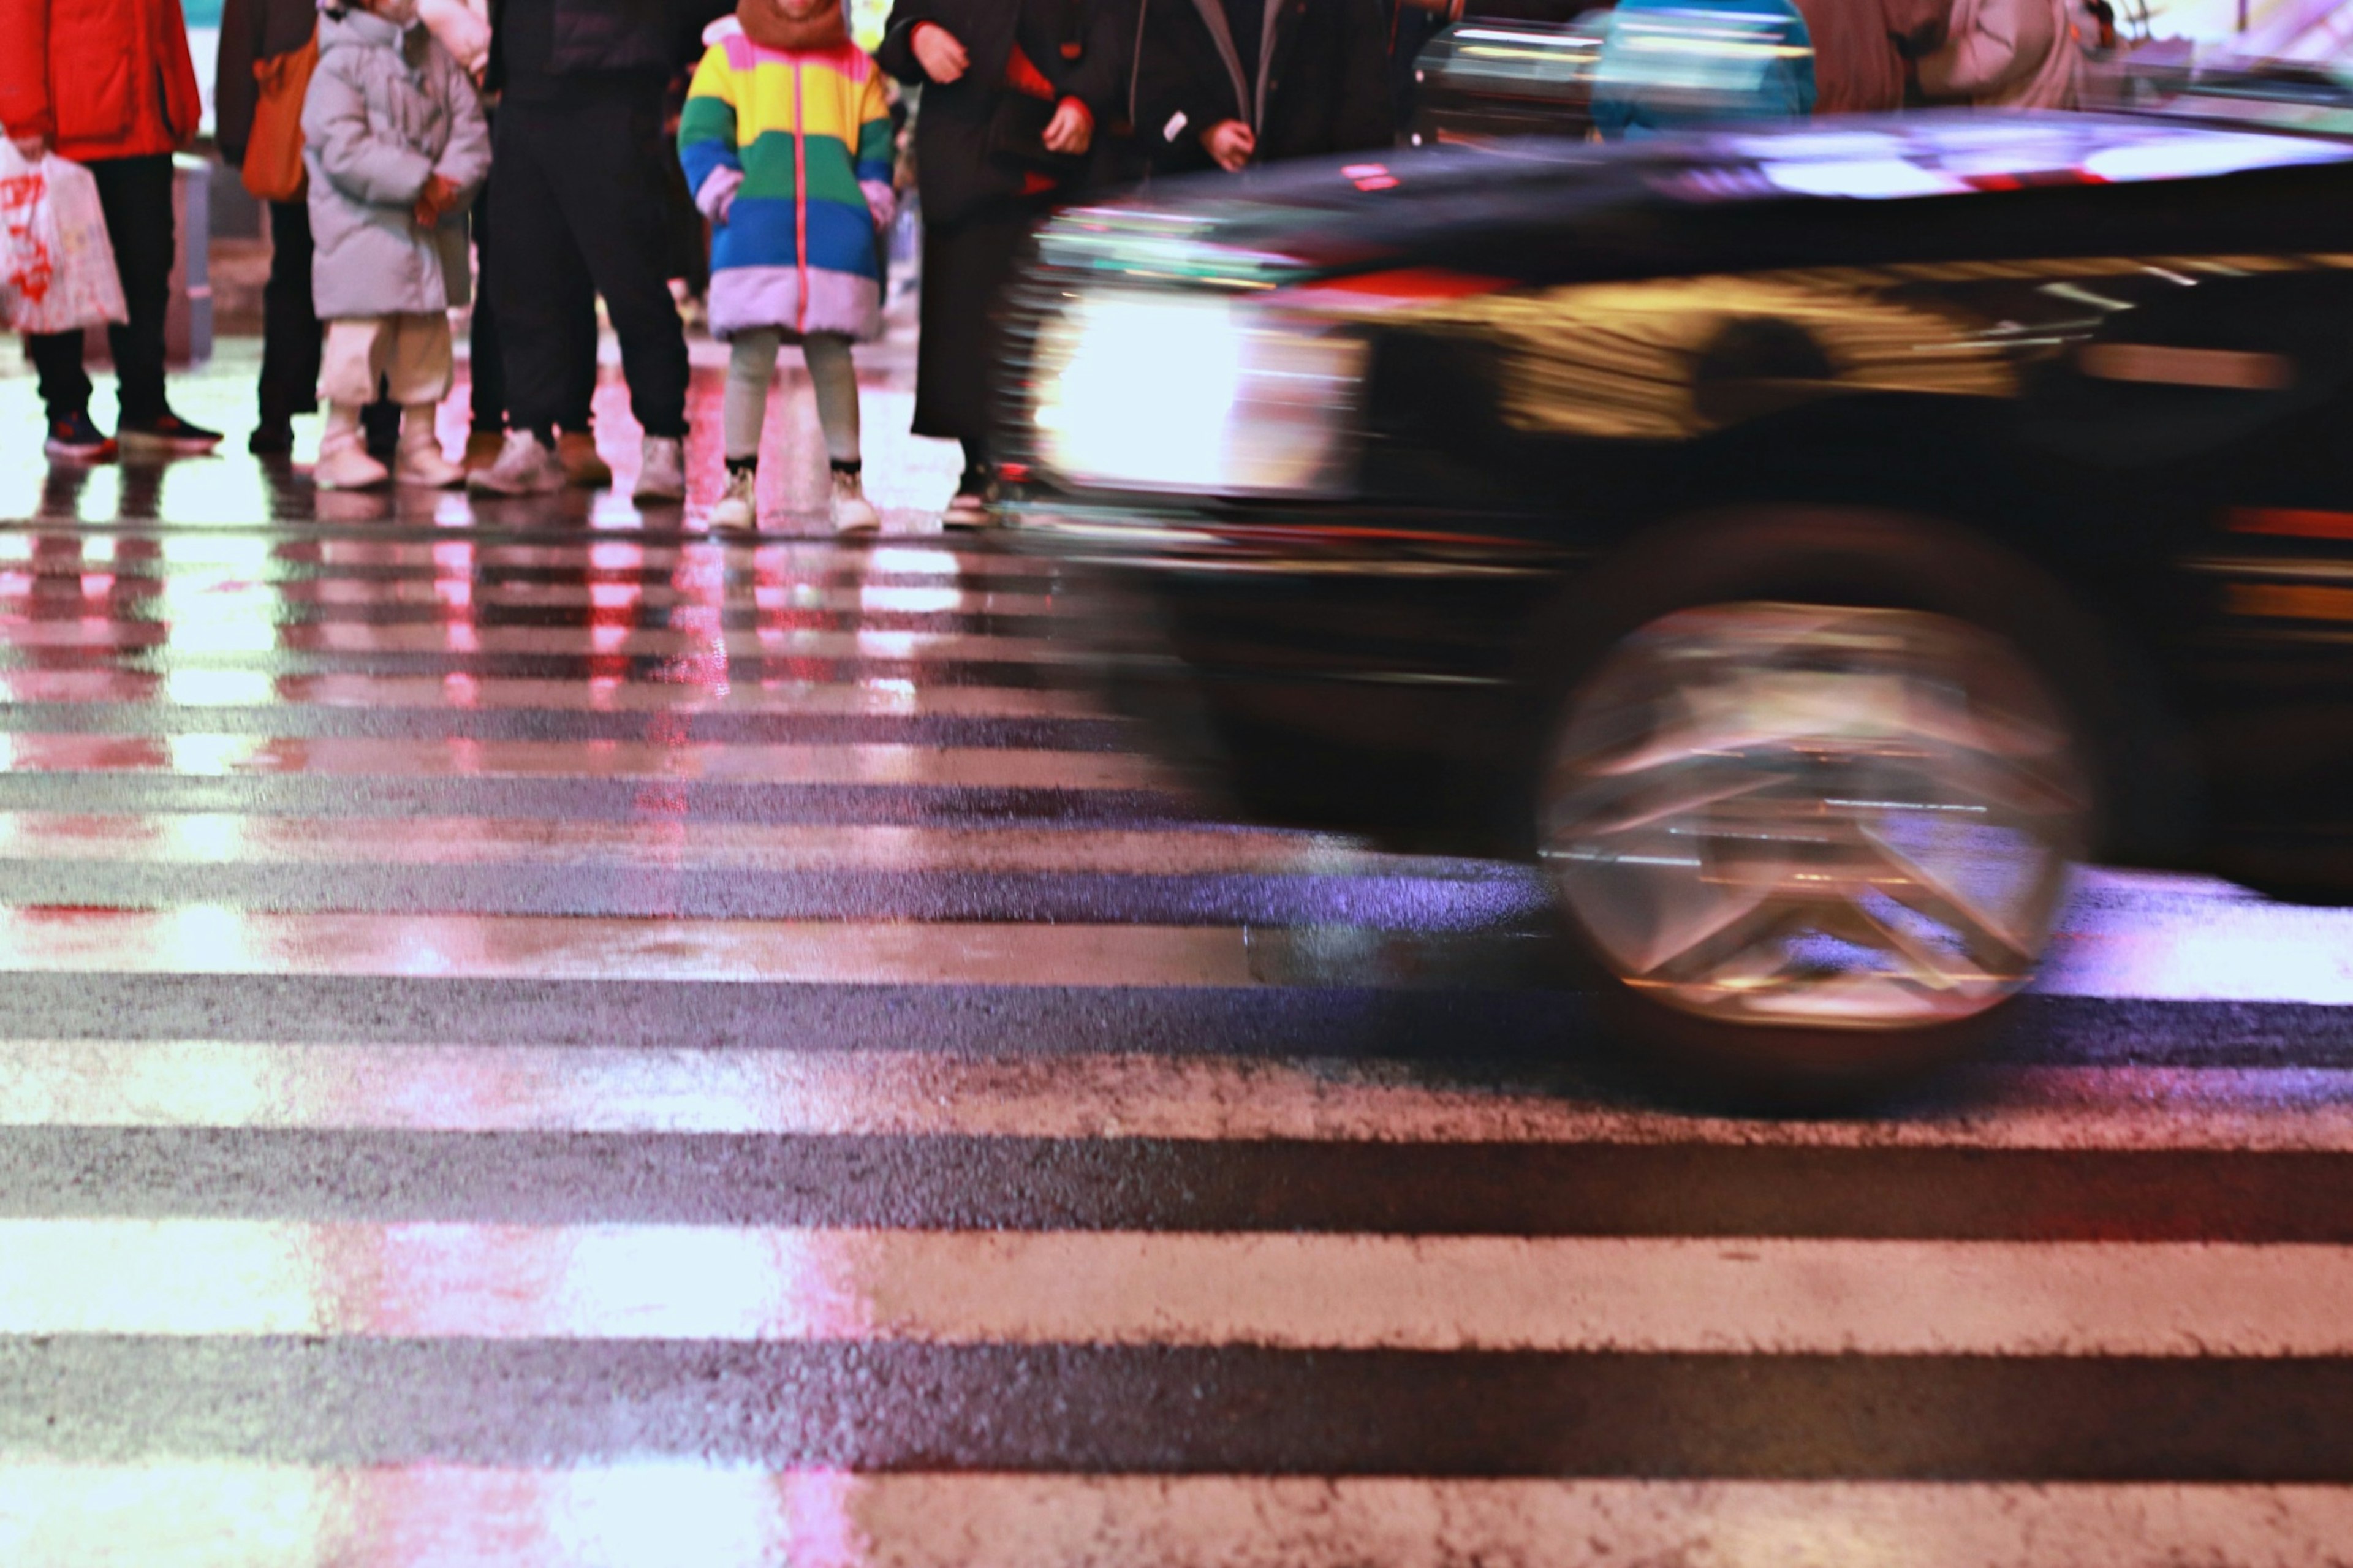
(546, 1040)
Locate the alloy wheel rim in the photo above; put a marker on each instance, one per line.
(1786, 813)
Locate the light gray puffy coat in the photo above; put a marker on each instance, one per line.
(388, 110)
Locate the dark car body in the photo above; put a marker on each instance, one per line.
(2119, 350)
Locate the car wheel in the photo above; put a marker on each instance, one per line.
(1815, 837)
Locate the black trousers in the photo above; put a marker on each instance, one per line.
(964, 268)
(291, 333)
(580, 212)
(136, 195)
(292, 336)
(486, 372)
(488, 369)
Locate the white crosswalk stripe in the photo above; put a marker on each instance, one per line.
(458, 1109)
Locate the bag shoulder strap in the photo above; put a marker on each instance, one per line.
(276, 73)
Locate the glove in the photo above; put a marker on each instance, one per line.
(718, 193)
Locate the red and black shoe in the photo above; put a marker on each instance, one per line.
(73, 438)
(165, 436)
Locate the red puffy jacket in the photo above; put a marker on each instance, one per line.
(102, 78)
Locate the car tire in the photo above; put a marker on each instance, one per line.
(1808, 788)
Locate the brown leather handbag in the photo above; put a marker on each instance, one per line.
(273, 152)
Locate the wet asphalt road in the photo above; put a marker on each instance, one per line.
(554, 1038)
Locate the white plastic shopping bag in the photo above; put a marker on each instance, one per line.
(57, 266)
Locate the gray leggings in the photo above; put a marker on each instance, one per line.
(752, 366)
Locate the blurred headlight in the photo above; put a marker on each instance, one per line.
(1194, 392)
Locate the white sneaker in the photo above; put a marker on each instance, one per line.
(662, 474)
(525, 468)
(852, 512)
(419, 461)
(344, 465)
(739, 508)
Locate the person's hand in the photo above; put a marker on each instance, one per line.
(1231, 143)
(32, 148)
(1070, 129)
(938, 52)
(440, 193)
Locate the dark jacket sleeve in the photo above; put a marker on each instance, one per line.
(953, 167)
(897, 53)
(1181, 85)
(234, 90)
(1366, 116)
(1107, 52)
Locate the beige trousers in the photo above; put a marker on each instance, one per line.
(411, 349)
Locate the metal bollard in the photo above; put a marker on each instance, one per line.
(188, 324)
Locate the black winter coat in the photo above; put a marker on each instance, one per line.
(954, 169)
(251, 30)
(651, 37)
(1323, 87)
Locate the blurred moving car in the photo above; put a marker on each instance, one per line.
(1804, 544)
(2174, 78)
(1484, 79)
(1642, 66)
(1478, 80)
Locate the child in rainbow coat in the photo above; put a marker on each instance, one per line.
(785, 140)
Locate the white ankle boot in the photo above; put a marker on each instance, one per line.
(852, 512)
(419, 461)
(740, 507)
(344, 462)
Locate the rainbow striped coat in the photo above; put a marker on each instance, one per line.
(802, 138)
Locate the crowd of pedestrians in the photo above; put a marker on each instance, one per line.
(543, 145)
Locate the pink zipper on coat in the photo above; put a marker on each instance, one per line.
(800, 197)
